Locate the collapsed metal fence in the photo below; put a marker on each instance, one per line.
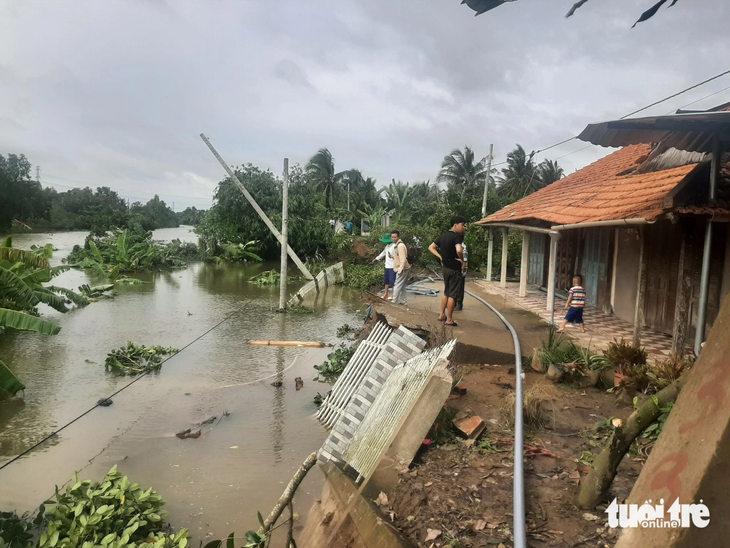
(347, 383)
(391, 408)
(400, 346)
(329, 276)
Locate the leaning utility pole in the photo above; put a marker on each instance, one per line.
(486, 181)
(284, 236)
(489, 235)
(258, 209)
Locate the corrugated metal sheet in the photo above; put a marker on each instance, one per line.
(390, 409)
(690, 132)
(348, 382)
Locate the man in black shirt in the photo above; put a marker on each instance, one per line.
(448, 249)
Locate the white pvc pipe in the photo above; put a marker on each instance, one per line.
(518, 484)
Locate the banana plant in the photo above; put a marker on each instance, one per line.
(22, 275)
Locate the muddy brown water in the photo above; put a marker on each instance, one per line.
(213, 485)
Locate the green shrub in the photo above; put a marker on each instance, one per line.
(17, 531)
(363, 277)
(115, 513)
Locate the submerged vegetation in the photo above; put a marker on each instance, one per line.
(126, 251)
(135, 359)
(335, 363)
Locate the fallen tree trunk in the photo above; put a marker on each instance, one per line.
(604, 468)
(288, 494)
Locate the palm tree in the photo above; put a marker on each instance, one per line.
(520, 177)
(549, 171)
(397, 195)
(459, 170)
(321, 169)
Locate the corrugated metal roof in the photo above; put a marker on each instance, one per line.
(691, 132)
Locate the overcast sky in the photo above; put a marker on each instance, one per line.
(116, 92)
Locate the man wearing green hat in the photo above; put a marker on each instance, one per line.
(387, 254)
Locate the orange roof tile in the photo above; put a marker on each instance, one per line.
(599, 192)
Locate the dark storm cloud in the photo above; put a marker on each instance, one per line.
(117, 92)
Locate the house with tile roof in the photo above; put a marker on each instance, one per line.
(634, 225)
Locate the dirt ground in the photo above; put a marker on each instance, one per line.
(459, 494)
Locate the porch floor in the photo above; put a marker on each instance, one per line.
(601, 328)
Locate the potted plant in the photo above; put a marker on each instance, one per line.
(624, 357)
(597, 368)
(555, 371)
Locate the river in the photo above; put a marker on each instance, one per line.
(213, 485)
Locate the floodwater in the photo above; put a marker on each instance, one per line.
(213, 485)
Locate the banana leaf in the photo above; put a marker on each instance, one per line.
(77, 299)
(28, 258)
(41, 276)
(26, 322)
(8, 381)
(46, 296)
(13, 288)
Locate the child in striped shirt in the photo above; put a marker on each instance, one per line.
(576, 303)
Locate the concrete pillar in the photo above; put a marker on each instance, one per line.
(552, 266)
(490, 253)
(505, 246)
(641, 287)
(525, 263)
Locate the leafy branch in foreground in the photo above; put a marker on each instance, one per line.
(114, 513)
(135, 359)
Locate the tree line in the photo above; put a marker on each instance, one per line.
(25, 203)
(319, 193)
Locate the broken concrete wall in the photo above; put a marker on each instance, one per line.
(343, 517)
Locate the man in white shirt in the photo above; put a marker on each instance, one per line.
(387, 254)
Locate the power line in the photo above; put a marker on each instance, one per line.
(56, 432)
(637, 111)
(676, 94)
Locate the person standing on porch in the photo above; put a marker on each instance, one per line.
(387, 254)
(449, 250)
(576, 303)
(402, 269)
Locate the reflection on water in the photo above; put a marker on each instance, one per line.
(241, 463)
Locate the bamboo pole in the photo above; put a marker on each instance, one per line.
(311, 344)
